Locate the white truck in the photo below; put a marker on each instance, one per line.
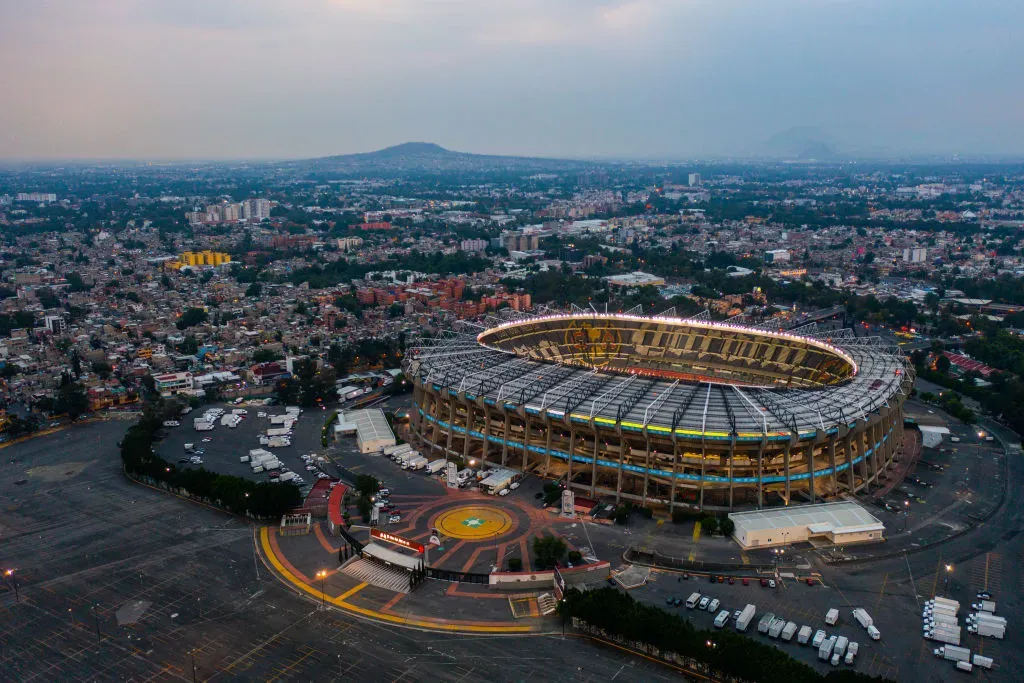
(746, 616)
(819, 638)
(405, 457)
(765, 622)
(775, 629)
(391, 451)
(945, 636)
(202, 426)
(287, 476)
(804, 635)
(851, 652)
(825, 650)
(722, 618)
(841, 643)
(278, 442)
(862, 617)
(986, 630)
(435, 466)
(983, 662)
(874, 633)
(985, 606)
(939, 600)
(399, 451)
(953, 653)
(832, 616)
(692, 601)
(788, 631)
(417, 463)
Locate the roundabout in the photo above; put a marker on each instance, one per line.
(474, 522)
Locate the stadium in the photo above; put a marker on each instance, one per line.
(665, 410)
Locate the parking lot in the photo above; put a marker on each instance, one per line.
(225, 445)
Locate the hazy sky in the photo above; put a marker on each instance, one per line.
(663, 78)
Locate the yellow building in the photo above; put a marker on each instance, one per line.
(199, 259)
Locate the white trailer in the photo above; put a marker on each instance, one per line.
(405, 457)
(948, 637)
(203, 426)
(775, 630)
(825, 650)
(990, 631)
(745, 617)
(278, 442)
(982, 661)
(417, 463)
(765, 622)
(789, 630)
(939, 600)
(841, 643)
(862, 617)
(953, 653)
(804, 635)
(287, 476)
(398, 451)
(435, 466)
(832, 616)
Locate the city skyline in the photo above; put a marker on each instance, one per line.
(641, 80)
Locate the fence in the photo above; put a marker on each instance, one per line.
(457, 577)
(652, 558)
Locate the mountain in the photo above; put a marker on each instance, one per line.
(803, 143)
(427, 157)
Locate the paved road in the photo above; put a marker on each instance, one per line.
(161, 578)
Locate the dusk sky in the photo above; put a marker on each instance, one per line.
(154, 79)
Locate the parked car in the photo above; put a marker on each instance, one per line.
(764, 583)
(704, 602)
(746, 582)
(771, 583)
(394, 519)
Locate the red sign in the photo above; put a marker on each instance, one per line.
(396, 539)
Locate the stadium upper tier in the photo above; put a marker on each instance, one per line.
(694, 379)
(692, 351)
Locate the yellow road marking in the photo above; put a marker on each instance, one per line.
(743, 556)
(373, 614)
(988, 556)
(696, 532)
(693, 554)
(881, 591)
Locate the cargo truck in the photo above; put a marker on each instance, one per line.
(989, 631)
(832, 616)
(825, 650)
(841, 643)
(399, 450)
(947, 637)
(939, 600)
(964, 666)
(405, 457)
(953, 653)
(278, 442)
(435, 466)
(692, 601)
(804, 635)
(874, 633)
(986, 617)
(746, 616)
(287, 476)
(202, 426)
(417, 463)
(788, 631)
(985, 606)
(851, 652)
(819, 638)
(983, 662)
(765, 622)
(775, 628)
(862, 617)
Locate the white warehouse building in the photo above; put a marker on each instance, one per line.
(839, 523)
(373, 432)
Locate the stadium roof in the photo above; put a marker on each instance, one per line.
(712, 409)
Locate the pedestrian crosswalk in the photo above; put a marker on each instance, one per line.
(378, 575)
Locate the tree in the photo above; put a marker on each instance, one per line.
(102, 368)
(515, 564)
(548, 550)
(190, 318)
(76, 364)
(71, 399)
(709, 525)
(942, 364)
(727, 527)
(367, 484)
(254, 290)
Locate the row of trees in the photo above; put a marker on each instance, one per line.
(729, 654)
(234, 494)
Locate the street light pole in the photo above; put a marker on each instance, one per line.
(192, 654)
(322, 575)
(906, 513)
(96, 621)
(945, 584)
(10, 573)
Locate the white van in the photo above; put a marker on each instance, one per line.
(692, 601)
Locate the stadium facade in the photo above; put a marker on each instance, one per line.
(659, 409)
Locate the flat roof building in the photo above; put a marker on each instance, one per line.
(373, 432)
(842, 522)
